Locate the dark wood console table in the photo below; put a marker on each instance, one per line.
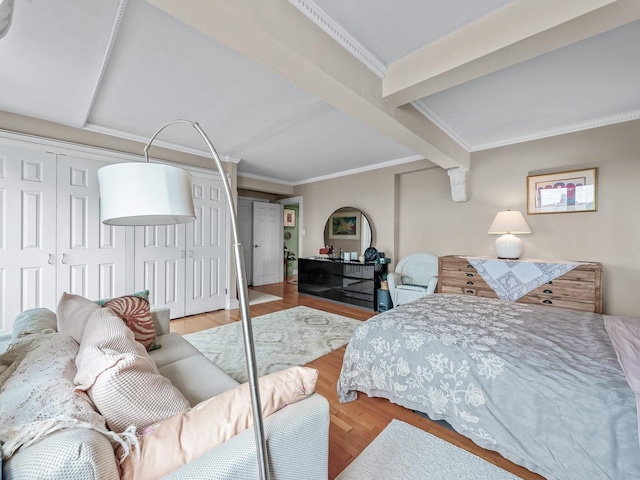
(348, 282)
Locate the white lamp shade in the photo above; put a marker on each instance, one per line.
(509, 221)
(145, 194)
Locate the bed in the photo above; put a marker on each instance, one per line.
(541, 385)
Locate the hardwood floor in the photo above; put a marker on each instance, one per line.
(353, 425)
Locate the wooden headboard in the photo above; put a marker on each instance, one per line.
(579, 289)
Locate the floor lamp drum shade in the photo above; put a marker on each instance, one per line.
(506, 224)
(145, 194)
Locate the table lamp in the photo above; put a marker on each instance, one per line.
(508, 223)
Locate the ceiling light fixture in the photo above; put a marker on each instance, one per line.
(508, 223)
(156, 194)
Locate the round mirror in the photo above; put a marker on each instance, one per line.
(348, 229)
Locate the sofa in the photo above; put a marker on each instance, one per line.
(296, 435)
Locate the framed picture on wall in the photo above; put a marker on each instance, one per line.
(563, 192)
(345, 226)
(289, 217)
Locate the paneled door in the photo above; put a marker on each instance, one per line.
(268, 243)
(92, 255)
(160, 265)
(27, 232)
(206, 263)
(184, 267)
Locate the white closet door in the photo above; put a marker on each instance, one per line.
(160, 266)
(268, 243)
(91, 255)
(206, 268)
(27, 232)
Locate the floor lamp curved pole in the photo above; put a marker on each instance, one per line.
(168, 200)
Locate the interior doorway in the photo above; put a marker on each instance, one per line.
(293, 233)
(261, 234)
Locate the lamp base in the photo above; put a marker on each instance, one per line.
(508, 247)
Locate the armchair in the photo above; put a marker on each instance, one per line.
(415, 276)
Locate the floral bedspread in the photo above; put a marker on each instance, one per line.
(541, 385)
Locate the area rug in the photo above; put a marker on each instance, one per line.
(256, 297)
(282, 339)
(404, 451)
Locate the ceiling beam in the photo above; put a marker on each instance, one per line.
(277, 35)
(519, 31)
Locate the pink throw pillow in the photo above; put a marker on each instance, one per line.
(166, 446)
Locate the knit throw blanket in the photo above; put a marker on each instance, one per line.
(37, 394)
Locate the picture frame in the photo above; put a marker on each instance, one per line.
(563, 192)
(345, 225)
(289, 217)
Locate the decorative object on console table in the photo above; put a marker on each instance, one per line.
(347, 282)
(563, 192)
(154, 194)
(506, 224)
(579, 289)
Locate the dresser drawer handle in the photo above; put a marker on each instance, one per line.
(470, 275)
(547, 291)
(470, 291)
(547, 302)
(469, 283)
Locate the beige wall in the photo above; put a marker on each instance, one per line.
(370, 192)
(411, 210)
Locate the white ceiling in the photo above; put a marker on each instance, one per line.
(127, 67)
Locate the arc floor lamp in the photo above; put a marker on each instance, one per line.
(156, 194)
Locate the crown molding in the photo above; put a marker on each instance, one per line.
(552, 132)
(64, 147)
(336, 31)
(267, 179)
(122, 4)
(144, 140)
(440, 123)
(368, 168)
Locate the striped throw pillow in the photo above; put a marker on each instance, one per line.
(136, 313)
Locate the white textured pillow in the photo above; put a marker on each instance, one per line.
(120, 376)
(132, 393)
(73, 313)
(104, 341)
